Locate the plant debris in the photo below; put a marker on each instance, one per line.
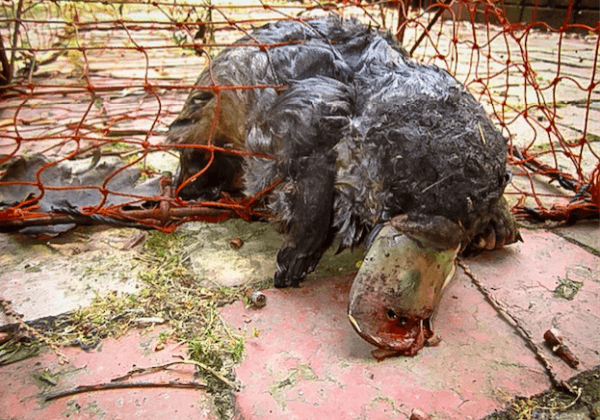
(170, 293)
(105, 386)
(556, 403)
(150, 369)
(568, 288)
(554, 340)
(16, 350)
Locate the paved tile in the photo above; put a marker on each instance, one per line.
(306, 362)
(22, 391)
(49, 277)
(586, 233)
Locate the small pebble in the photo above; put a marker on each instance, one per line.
(236, 243)
(257, 299)
(417, 414)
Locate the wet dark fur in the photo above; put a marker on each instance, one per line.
(361, 135)
(309, 54)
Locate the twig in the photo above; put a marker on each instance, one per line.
(437, 15)
(105, 386)
(499, 306)
(11, 313)
(201, 365)
(6, 74)
(554, 340)
(572, 403)
(17, 23)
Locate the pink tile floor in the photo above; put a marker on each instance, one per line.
(307, 363)
(20, 392)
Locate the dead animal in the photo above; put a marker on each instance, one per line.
(365, 144)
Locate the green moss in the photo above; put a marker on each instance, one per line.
(302, 372)
(555, 404)
(169, 291)
(590, 137)
(16, 350)
(567, 289)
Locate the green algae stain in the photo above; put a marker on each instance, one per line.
(567, 289)
(278, 389)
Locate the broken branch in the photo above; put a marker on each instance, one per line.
(106, 386)
(151, 369)
(554, 340)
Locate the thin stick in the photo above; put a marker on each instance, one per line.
(106, 386)
(437, 15)
(18, 318)
(201, 365)
(17, 23)
(499, 306)
(6, 76)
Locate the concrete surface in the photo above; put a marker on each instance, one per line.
(51, 276)
(44, 277)
(303, 360)
(214, 259)
(308, 363)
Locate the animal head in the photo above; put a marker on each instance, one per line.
(397, 290)
(209, 117)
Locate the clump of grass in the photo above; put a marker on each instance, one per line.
(169, 291)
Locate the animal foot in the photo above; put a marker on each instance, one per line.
(501, 230)
(292, 268)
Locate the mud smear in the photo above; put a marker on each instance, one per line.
(556, 404)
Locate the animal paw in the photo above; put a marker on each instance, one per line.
(501, 230)
(290, 270)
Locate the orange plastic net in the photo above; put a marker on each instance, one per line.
(88, 89)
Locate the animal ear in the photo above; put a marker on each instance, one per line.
(438, 232)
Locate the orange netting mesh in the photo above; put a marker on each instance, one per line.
(91, 87)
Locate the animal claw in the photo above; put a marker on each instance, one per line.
(490, 240)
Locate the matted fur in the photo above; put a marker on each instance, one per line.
(361, 135)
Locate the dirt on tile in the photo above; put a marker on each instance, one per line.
(558, 404)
